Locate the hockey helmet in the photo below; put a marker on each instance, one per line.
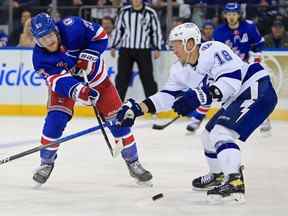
(232, 7)
(184, 32)
(42, 24)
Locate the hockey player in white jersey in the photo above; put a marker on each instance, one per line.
(244, 90)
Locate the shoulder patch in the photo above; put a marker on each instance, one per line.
(206, 46)
(249, 21)
(68, 21)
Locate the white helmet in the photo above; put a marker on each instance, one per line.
(184, 32)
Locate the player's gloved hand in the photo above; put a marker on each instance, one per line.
(191, 100)
(128, 113)
(257, 58)
(85, 95)
(86, 61)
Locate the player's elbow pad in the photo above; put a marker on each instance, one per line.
(222, 90)
(215, 93)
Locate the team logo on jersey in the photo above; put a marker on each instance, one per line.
(206, 46)
(68, 21)
(63, 64)
(244, 38)
(38, 25)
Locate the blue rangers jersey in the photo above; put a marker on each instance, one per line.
(242, 40)
(76, 35)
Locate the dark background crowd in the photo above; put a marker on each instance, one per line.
(271, 16)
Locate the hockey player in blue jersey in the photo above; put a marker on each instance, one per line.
(239, 34)
(244, 90)
(63, 51)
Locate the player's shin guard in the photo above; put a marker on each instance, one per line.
(229, 157)
(123, 136)
(54, 126)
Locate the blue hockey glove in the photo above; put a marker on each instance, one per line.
(191, 100)
(128, 113)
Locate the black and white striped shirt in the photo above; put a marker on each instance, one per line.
(137, 29)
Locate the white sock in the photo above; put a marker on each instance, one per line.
(213, 164)
(229, 160)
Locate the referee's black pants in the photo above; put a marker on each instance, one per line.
(125, 63)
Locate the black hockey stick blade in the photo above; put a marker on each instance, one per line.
(161, 127)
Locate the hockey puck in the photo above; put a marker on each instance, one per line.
(157, 196)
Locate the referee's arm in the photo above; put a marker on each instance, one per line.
(156, 32)
(118, 31)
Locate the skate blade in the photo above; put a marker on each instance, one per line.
(265, 134)
(144, 184)
(37, 186)
(236, 198)
(202, 189)
(188, 133)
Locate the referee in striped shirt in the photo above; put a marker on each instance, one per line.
(137, 32)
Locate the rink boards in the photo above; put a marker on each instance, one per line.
(23, 92)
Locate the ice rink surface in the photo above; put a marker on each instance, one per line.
(88, 181)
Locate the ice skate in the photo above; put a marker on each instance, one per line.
(42, 173)
(208, 181)
(193, 125)
(265, 128)
(232, 191)
(137, 171)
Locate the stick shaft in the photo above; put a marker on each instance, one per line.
(59, 141)
(96, 112)
(161, 127)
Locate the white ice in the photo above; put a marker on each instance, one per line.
(88, 181)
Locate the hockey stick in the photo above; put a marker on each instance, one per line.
(58, 141)
(161, 127)
(114, 153)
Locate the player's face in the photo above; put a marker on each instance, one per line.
(26, 15)
(136, 3)
(232, 18)
(208, 31)
(178, 49)
(107, 26)
(278, 31)
(50, 42)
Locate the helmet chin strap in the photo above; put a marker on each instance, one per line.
(189, 52)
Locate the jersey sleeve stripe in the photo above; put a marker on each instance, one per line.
(175, 94)
(100, 35)
(234, 75)
(254, 68)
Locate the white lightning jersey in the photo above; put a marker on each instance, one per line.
(181, 78)
(222, 66)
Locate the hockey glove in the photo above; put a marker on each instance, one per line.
(85, 95)
(257, 58)
(191, 100)
(128, 113)
(86, 61)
